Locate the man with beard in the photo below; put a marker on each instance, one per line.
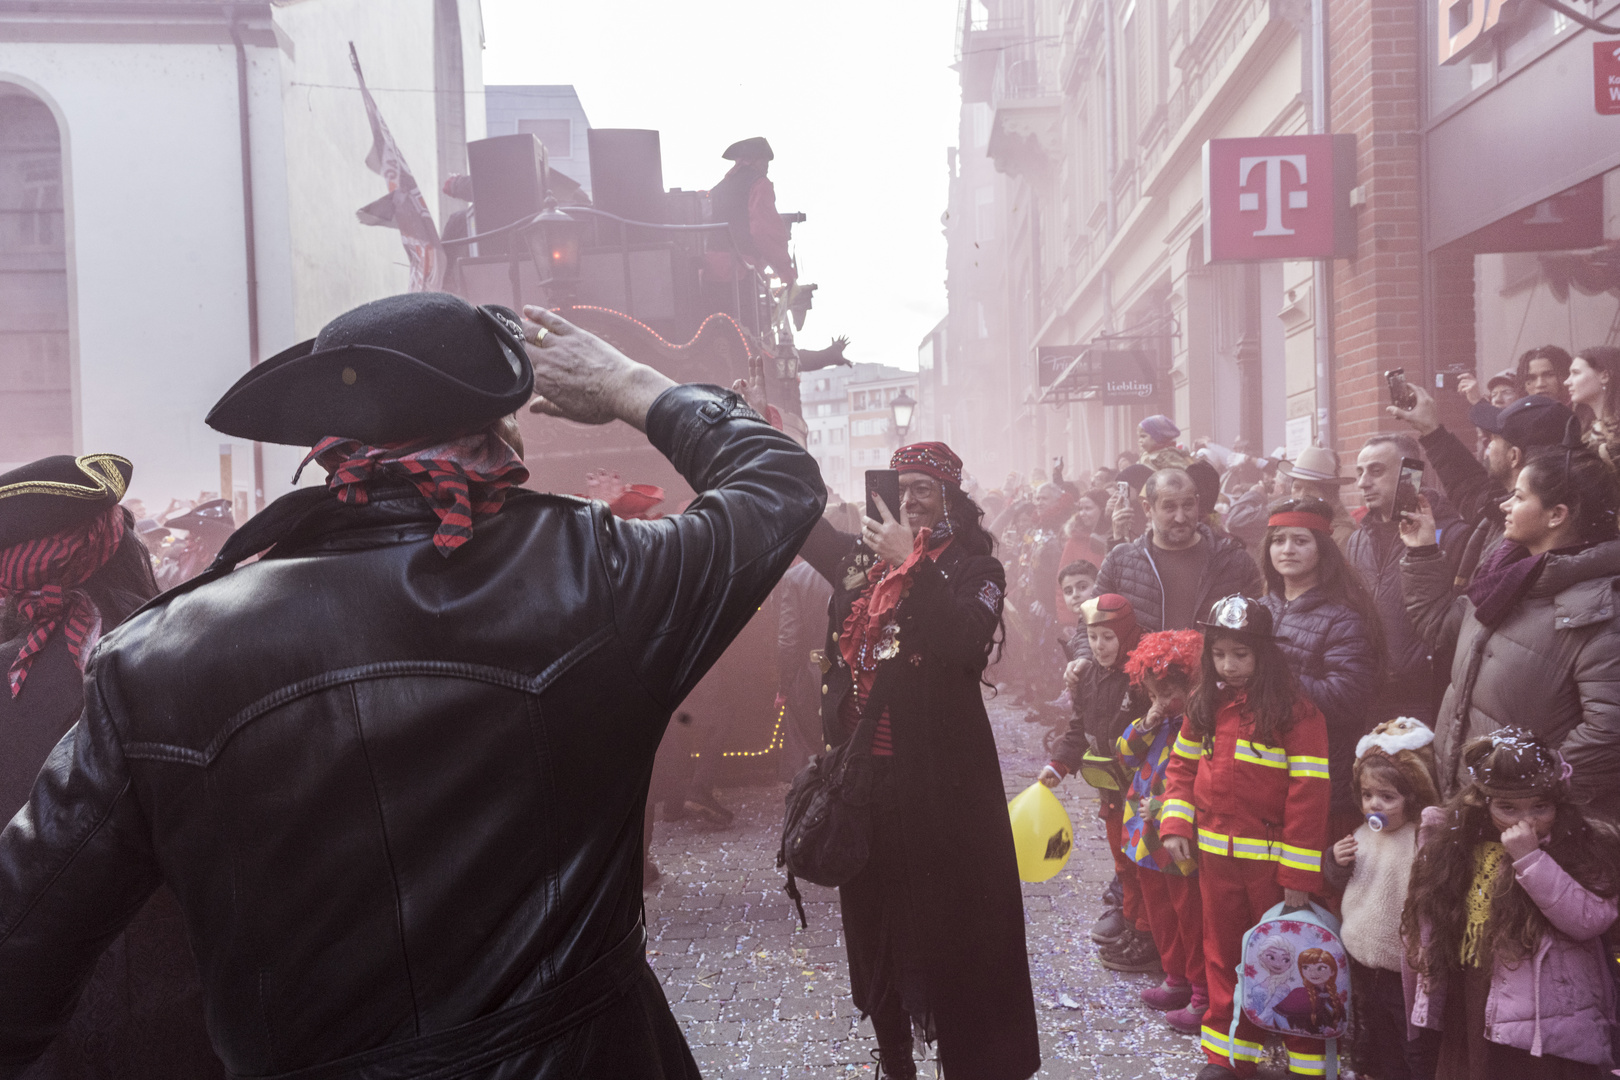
(394, 770)
(1180, 566)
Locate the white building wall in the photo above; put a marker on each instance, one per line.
(153, 189)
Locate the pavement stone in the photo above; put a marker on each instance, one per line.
(759, 997)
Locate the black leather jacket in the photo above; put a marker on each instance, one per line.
(399, 797)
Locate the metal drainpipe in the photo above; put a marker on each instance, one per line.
(249, 243)
(1322, 285)
(1110, 121)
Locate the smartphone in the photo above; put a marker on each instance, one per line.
(1401, 395)
(1407, 488)
(1123, 490)
(884, 482)
(1449, 378)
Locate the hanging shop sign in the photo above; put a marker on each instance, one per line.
(1606, 76)
(1279, 197)
(1091, 373)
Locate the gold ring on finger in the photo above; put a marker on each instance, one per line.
(540, 333)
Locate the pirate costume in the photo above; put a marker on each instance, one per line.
(934, 923)
(394, 769)
(140, 1014)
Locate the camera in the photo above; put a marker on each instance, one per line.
(1449, 377)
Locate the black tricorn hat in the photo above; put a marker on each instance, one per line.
(1238, 614)
(755, 149)
(401, 368)
(215, 514)
(56, 493)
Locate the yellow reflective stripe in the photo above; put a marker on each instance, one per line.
(1212, 842)
(1217, 1042)
(1187, 748)
(1178, 808)
(1299, 858)
(1307, 1064)
(1247, 848)
(1272, 757)
(1305, 765)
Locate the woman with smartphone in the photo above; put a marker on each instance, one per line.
(934, 923)
(1534, 640)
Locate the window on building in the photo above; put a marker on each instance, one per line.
(36, 395)
(836, 435)
(813, 438)
(821, 384)
(556, 134)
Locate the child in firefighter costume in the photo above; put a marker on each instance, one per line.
(1248, 783)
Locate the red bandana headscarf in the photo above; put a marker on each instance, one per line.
(463, 479)
(42, 578)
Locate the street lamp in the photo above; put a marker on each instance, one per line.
(903, 406)
(553, 241)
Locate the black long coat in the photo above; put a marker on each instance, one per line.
(399, 797)
(966, 905)
(141, 1014)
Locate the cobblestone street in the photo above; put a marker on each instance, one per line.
(759, 997)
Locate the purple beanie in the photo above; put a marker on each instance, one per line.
(1160, 429)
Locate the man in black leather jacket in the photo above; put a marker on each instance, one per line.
(395, 779)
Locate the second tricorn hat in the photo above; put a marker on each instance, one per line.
(415, 366)
(755, 149)
(59, 492)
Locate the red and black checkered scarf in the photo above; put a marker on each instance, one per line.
(41, 577)
(463, 479)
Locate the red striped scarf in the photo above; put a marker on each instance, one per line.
(41, 577)
(463, 479)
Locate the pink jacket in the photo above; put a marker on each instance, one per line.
(1561, 1000)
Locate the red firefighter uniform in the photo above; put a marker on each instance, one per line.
(1258, 813)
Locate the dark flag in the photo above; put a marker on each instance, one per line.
(403, 208)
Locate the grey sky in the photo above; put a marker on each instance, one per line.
(857, 99)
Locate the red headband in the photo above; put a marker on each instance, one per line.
(933, 458)
(1299, 519)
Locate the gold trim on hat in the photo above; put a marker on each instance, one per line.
(99, 467)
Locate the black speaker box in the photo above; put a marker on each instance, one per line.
(509, 182)
(627, 173)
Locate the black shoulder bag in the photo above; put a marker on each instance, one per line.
(827, 833)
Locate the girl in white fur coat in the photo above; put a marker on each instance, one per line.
(1394, 781)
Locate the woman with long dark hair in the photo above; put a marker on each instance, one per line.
(1594, 392)
(1330, 632)
(934, 923)
(1534, 641)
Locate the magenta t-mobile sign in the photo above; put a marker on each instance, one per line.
(1279, 197)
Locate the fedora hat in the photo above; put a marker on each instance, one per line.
(416, 366)
(57, 493)
(1316, 465)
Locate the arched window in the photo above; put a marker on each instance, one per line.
(36, 394)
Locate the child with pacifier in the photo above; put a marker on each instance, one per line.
(1248, 778)
(1166, 666)
(1513, 887)
(1394, 780)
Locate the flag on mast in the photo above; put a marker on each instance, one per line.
(403, 208)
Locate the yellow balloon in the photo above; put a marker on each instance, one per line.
(1043, 836)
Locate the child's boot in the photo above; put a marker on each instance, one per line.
(1135, 952)
(1111, 928)
(1174, 993)
(1189, 1019)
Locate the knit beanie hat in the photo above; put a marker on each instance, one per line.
(1160, 428)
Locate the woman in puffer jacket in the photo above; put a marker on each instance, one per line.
(1330, 632)
(1537, 642)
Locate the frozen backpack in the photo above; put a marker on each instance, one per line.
(1294, 978)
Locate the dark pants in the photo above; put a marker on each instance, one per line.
(1382, 1049)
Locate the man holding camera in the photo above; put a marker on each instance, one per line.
(394, 770)
(1476, 491)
